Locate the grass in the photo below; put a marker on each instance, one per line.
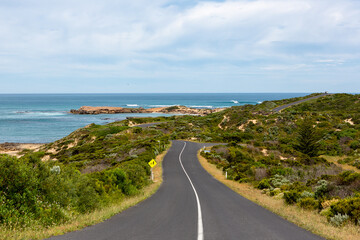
(309, 220)
(97, 216)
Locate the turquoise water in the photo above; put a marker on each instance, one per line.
(42, 118)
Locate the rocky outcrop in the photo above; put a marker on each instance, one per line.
(173, 109)
(105, 110)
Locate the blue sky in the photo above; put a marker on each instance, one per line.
(49, 46)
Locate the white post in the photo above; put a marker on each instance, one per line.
(152, 175)
(226, 174)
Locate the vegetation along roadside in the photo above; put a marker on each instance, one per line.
(80, 180)
(301, 163)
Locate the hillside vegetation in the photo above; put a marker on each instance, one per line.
(286, 153)
(89, 169)
(299, 155)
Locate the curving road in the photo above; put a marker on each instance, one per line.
(278, 109)
(191, 204)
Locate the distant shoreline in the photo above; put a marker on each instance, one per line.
(44, 118)
(169, 110)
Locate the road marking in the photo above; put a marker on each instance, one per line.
(200, 221)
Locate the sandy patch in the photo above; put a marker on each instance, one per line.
(52, 151)
(265, 152)
(242, 126)
(225, 119)
(14, 149)
(349, 121)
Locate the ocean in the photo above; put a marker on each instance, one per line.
(43, 118)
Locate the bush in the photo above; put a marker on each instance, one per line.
(338, 220)
(348, 177)
(264, 184)
(321, 189)
(278, 181)
(307, 194)
(349, 207)
(33, 192)
(308, 203)
(291, 197)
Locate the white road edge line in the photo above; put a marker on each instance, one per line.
(200, 221)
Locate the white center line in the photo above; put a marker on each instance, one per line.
(200, 221)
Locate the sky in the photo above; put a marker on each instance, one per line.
(107, 46)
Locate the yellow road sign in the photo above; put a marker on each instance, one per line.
(152, 163)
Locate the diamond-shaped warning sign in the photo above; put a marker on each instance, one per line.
(152, 163)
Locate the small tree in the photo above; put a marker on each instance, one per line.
(308, 138)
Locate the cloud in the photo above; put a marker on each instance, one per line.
(173, 39)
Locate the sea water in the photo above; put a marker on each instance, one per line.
(42, 118)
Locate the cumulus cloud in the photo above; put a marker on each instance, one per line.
(163, 39)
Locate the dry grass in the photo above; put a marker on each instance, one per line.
(309, 220)
(81, 221)
(335, 159)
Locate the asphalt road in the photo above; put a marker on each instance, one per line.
(173, 212)
(278, 109)
(144, 125)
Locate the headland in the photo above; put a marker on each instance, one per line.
(170, 110)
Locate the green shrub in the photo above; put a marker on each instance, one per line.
(326, 213)
(355, 144)
(278, 181)
(172, 108)
(321, 189)
(348, 177)
(307, 194)
(263, 184)
(339, 220)
(32, 191)
(308, 203)
(291, 197)
(275, 191)
(349, 207)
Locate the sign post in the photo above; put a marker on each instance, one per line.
(152, 164)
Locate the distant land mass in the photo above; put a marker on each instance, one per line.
(170, 110)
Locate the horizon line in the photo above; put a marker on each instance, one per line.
(168, 92)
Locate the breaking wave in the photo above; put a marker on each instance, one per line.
(41, 113)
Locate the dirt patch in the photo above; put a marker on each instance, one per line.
(265, 152)
(14, 149)
(225, 119)
(242, 126)
(349, 121)
(52, 150)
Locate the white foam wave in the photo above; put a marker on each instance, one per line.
(44, 113)
(259, 102)
(234, 101)
(132, 105)
(196, 106)
(162, 105)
